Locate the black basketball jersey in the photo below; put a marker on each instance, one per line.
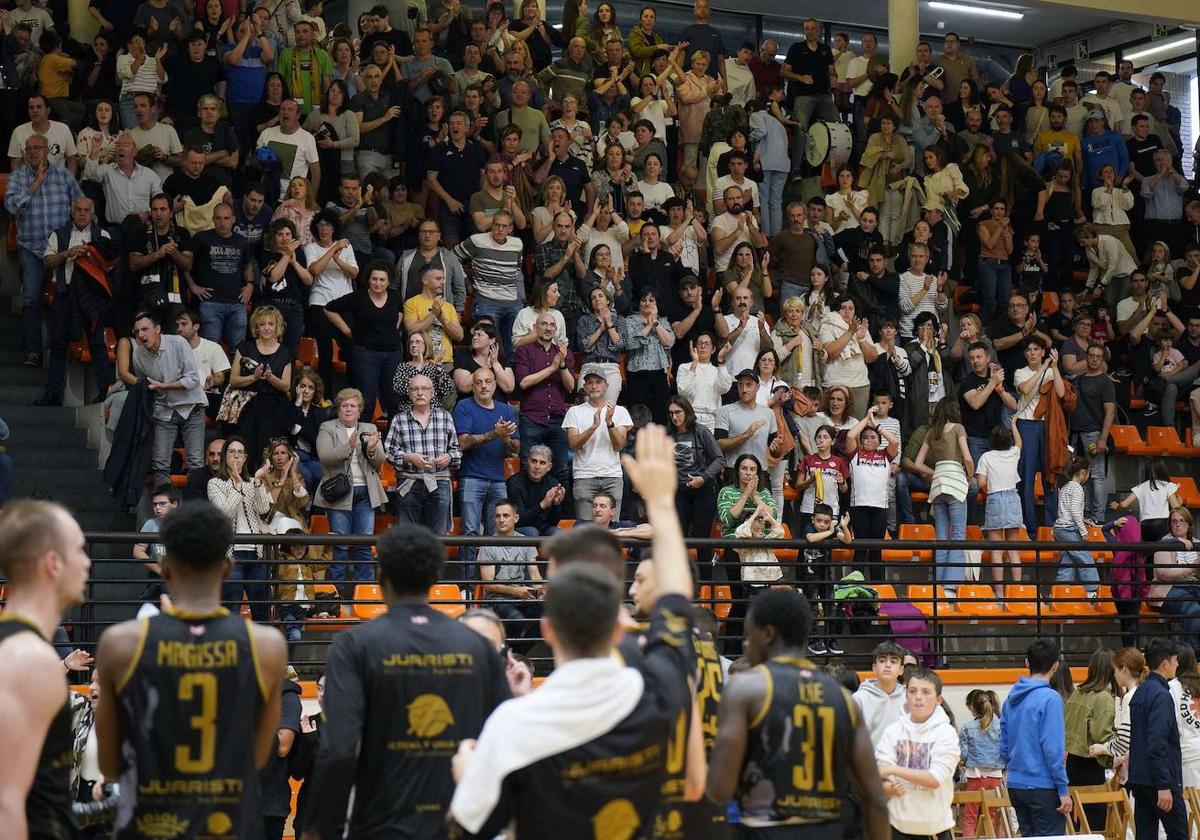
(189, 707)
(799, 748)
(48, 803)
(401, 692)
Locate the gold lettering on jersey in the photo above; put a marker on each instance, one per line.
(428, 716)
(812, 693)
(618, 820)
(429, 660)
(191, 787)
(615, 765)
(161, 826)
(198, 655)
(431, 747)
(809, 802)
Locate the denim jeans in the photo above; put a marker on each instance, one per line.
(994, 284)
(789, 289)
(503, 315)
(1097, 486)
(1037, 812)
(223, 321)
(1076, 566)
(976, 446)
(1033, 457)
(479, 497)
(1181, 378)
(312, 471)
(421, 507)
(950, 523)
(33, 276)
(771, 190)
(1184, 601)
(162, 444)
(906, 484)
(249, 575)
(352, 564)
(553, 435)
(65, 317)
(372, 374)
(583, 490)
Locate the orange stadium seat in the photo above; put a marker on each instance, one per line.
(1021, 599)
(1069, 600)
(921, 595)
(442, 597)
(977, 600)
(370, 593)
(1125, 438)
(1189, 493)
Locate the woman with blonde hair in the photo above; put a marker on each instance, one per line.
(348, 446)
(260, 380)
(285, 485)
(298, 207)
(793, 345)
(692, 97)
(554, 201)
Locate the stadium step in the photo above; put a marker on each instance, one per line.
(18, 394)
(50, 420)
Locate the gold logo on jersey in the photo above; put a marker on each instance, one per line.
(618, 820)
(428, 716)
(219, 823)
(161, 826)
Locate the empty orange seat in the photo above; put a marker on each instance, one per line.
(921, 595)
(1189, 493)
(722, 600)
(387, 475)
(977, 600)
(1021, 599)
(1162, 441)
(383, 522)
(512, 466)
(370, 601)
(1104, 604)
(1125, 437)
(447, 599)
(914, 531)
(1070, 600)
(1046, 534)
(1095, 535)
(306, 353)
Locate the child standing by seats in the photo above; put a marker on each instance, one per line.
(979, 739)
(881, 697)
(870, 468)
(997, 475)
(815, 574)
(1075, 565)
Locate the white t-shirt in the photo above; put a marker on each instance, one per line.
(300, 146)
(597, 459)
(745, 350)
(869, 472)
(747, 187)
(1125, 308)
(1027, 403)
(1152, 502)
(210, 359)
(656, 113)
(740, 82)
(727, 224)
(165, 137)
(690, 258)
(59, 141)
(332, 283)
(999, 467)
(838, 203)
(656, 195)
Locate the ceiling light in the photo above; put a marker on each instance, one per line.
(1157, 48)
(977, 10)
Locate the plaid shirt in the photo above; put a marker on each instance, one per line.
(437, 438)
(44, 212)
(547, 254)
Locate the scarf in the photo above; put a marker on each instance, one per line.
(296, 78)
(582, 700)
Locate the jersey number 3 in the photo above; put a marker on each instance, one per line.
(805, 721)
(199, 689)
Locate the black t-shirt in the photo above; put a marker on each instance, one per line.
(288, 289)
(199, 190)
(401, 693)
(457, 169)
(163, 275)
(1191, 352)
(706, 322)
(1094, 392)
(856, 244)
(219, 264)
(1141, 153)
(1012, 359)
(806, 62)
(374, 327)
(222, 139)
(978, 422)
(189, 80)
(575, 177)
(273, 784)
(396, 37)
(252, 357)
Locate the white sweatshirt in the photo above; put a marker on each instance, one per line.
(704, 387)
(1189, 733)
(932, 746)
(879, 710)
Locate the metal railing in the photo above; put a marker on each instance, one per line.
(964, 623)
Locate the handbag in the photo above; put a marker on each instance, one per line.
(337, 486)
(233, 402)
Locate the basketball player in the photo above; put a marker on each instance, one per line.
(586, 754)
(401, 692)
(682, 813)
(789, 738)
(189, 698)
(46, 566)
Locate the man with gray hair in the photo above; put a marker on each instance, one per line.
(538, 494)
(569, 75)
(422, 444)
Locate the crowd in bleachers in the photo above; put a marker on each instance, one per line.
(501, 247)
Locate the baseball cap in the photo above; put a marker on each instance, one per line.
(1096, 114)
(689, 279)
(747, 374)
(596, 374)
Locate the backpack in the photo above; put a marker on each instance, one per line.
(857, 605)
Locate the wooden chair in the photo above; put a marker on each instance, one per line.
(1191, 796)
(963, 798)
(1118, 814)
(997, 810)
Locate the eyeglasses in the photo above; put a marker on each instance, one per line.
(675, 412)
(237, 453)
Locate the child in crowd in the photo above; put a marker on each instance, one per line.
(979, 739)
(918, 755)
(816, 576)
(870, 470)
(1156, 497)
(881, 697)
(1076, 565)
(996, 473)
(759, 565)
(1058, 324)
(164, 498)
(1031, 270)
(821, 476)
(881, 401)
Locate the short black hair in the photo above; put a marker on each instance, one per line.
(196, 535)
(1041, 656)
(1158, 651)
(822, 509)
(586, 544)
(166, 488)
(889, 648)
(787, 611)
(410, 558)
(582, 602)
(924, 318)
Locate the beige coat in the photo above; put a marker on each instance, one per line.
(333, 449)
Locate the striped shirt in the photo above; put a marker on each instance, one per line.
(496, 267)
(1070, 508)
(433, 439)
(41, 213)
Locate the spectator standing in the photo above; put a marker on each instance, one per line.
(698, 463)
(958, 66)
(430, 313)
(1033, 383)
(979, 739)
(222, 276)
(487, 436)
(262, 372)
(996, 475)
(543, 372)
(1156, 497)
(245, 501)
(497, 275)
(422, 445)
(809, 70)
(822, 477)
(1033, 745)
(846, 340)
(348, 445)
(648, 340)
(745, 427)
(212, 362)
(1090, 424)
(39, 197)
(1155, 757)
(946, 447)
(296, 148)
(1088, 718)
(537, 495)
(702, 382)
(597, 464)
(168, 365)
(870, 450)
(245, 62)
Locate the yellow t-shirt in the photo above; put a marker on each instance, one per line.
(54, 75)
(419, 306)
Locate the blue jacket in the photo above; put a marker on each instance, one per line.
(1155, 759)
(1032, 737)
(1106, 147)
